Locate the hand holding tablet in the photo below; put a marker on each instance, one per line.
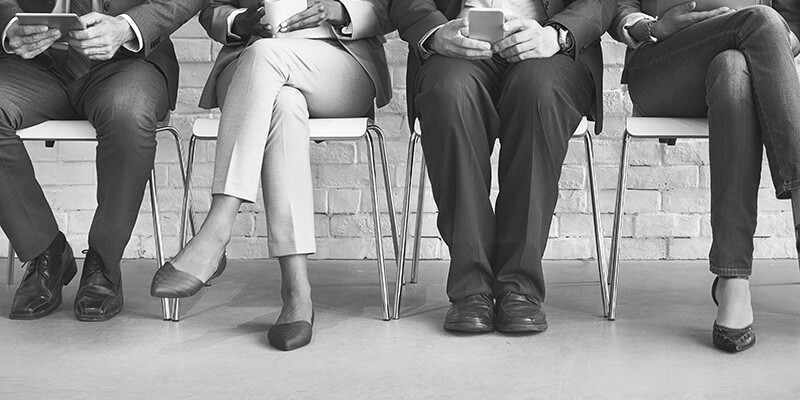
(63, 22)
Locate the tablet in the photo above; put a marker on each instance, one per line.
(662, 6)
(63, 22)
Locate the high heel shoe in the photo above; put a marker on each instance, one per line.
(171, 283)
(292, 335)
(730, 339)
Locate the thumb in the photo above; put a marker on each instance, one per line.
(688, 7)
(91, 18)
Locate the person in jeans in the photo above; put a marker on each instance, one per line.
(735, 67)
(530, 91)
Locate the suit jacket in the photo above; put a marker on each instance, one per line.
(156, 20)
(369, 20)
(587, 20)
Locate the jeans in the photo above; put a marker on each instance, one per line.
(737, 69)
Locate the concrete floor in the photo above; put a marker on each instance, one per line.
(658, 348)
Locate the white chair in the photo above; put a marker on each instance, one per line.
(83, 131)
(581, 132)
(322, 129)
(665, 130)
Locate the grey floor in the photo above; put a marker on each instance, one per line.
(659, 347)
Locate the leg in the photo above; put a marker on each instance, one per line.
(542, 103)
(124, 100)
(456, 102)
(735, 155)
(29, 96)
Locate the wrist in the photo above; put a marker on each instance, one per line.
(657, 30)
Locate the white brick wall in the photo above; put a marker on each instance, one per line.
(666, 206)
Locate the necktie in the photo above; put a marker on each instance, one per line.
(77, 65)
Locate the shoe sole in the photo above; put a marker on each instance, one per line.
(521, 328)
(468, 327)
(97, 318)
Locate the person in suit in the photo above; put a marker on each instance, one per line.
(736, 68)
(328, 61)
(122, 75)
(530, 91)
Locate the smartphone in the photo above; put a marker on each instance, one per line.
(63, 22)
(486, 24)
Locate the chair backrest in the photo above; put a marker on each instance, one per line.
(321, 128)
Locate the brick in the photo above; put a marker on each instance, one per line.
(347, 201)
(569, 249)
(689, 248)
(687, 152)
(572, 177)
(77, 173)
(687, 200)
(636, 201)
(677, 177)
(666, 225)
(333, 153)
(643, 249)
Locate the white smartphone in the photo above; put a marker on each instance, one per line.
(63, 22)
(486, 24)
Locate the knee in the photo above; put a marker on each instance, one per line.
(127, 118)
(765, 17)
(10, 116)
(265, 53)
(290, 107)
(534, 90)
(728, 77)
(445, 82)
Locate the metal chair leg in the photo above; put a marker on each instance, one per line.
(598, 228)
(373, 179)
(166, 307)
(187, 189)
(388, 185)
(615, 238)
(418, 227)
(401, 257)
(10, 276)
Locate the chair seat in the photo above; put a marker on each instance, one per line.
(79, 130)
(321, 128)
(581, 130)
(656, 128)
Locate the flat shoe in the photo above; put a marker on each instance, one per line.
(292, 335)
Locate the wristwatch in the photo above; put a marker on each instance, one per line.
(566, 43)
(648, 26)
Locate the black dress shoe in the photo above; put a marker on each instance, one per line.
(473, 313)
(99, 296)
(292, 335)
(39, 293)
(730, 339)
(519, 313)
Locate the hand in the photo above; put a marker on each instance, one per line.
(318, 12)
(525, 38)
(103, 36)
(452, 40)
(249, 23)
(681, 16)
(28, 41)
(794, 43)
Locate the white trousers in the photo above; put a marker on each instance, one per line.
(267, 97)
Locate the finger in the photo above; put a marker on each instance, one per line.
(315, 11)
(92, 32)
(34, 49)
(92, 18)
(518, 48)
(510, 41)
(39, 36)
(309, 22)
(524, 56)
(458, 24)
(687, 7)
(473, 54)
(517, 25)
(24, 30)
(473, 44)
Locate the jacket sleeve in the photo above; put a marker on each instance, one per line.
(8, 9)
(157, 19)
(587, 20)
(368, 18)
(414, 19)
(214, 19)
(790, 10)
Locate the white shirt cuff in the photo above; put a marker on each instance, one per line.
(424, 52)
(629, 21)
(231, 36)
(133, 46)
(5, 32)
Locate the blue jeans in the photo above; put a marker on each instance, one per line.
(737, 69)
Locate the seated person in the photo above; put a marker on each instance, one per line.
(737, 69)
(328, 62)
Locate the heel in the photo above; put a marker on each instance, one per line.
(70, 273)
(714, 291)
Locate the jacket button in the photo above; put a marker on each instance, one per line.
(106, 6)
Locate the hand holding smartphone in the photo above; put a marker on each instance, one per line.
(486, 24)
(63, 22)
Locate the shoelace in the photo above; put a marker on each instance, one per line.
(36, 265)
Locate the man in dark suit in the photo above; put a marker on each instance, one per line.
(790, 11)
(121, 74)
(530, 91)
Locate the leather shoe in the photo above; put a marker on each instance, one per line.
(519, 313)
(292, 335)
(473, 313)
(730, 339)
(99, 296)
(39, 293)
